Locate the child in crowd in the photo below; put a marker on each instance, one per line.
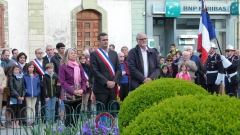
(174, 56)
(17, 93)
(179, 56)
(50, 80)
(165, 72)
(162, 60)
(183, 73)
(32, 83)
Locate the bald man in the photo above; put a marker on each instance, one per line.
(191, 65)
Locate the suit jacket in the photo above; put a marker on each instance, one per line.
(136, 68)
(45, 61)
(101, 73)
(202, 71)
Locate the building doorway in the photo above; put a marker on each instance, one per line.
(88, 28)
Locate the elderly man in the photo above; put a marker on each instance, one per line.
(143, 63)
(50, 54)
(230, 81)
(196, 59)
(87, 55)
(124, 50)
(191, 65)
(5, 58)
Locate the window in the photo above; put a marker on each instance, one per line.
(87, 34)
(219, 23)
(87, 25)
(87, 43)
(187, 23)
(193, 23)
(168, 23)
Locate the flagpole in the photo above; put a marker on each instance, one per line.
(218, 46)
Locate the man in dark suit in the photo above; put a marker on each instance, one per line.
(47, 58)
(143, 63)
(105, 78)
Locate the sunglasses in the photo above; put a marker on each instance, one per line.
(227, 51)
(169, 60)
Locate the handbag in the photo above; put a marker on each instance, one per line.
(70, 98)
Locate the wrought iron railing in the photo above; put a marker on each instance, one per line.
(92, 113)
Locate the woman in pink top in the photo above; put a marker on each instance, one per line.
(183, 73)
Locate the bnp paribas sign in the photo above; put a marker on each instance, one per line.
(211, 8)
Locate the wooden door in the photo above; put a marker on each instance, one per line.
(88, 28)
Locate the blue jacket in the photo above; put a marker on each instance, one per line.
(135, 66)
(32, 85)
(196, 59)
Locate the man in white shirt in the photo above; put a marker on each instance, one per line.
(143, 63)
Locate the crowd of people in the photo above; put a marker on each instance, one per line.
(64, 80)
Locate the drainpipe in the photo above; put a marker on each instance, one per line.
(145, 16)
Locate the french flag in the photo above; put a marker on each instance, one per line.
(206, 33)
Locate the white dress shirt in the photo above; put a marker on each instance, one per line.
(145, 62)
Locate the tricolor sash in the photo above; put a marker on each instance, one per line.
(106, 61)
(20, 67)
(38, 66)
(109, 65)
(86, 74)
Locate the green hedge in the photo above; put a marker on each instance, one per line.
(189, 115)
(155, 91)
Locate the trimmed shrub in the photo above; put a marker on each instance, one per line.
(155, 91)
(189, 115)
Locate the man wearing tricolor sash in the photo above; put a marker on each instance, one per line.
(38, 64)
(106, 71)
